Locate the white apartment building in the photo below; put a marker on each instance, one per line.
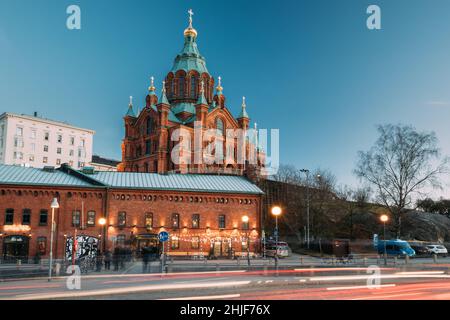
(37, 142)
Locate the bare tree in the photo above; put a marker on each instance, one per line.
(354, 201)
(399, 165)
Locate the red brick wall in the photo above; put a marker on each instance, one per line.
(136, 204)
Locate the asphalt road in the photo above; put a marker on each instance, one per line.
(330, 282)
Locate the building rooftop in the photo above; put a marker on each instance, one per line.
(67, 176)
(35, 117)
(32, 176)
(99, 160)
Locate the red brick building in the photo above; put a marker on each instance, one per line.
(202, 213)
(187, 102)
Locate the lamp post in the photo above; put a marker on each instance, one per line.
(306, 171)
(245, 220)
(276, 211)
(102, 222)
(54, 205)
(384, 218)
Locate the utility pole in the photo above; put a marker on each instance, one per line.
(306, 171)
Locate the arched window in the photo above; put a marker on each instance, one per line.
(149, 125)
(181, 87)
(193, 86)
(172, 90)
(219, 126)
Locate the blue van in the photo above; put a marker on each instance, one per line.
(393, 247)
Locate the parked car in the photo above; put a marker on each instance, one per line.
(420, 250)
(283, 249)
(437, 249)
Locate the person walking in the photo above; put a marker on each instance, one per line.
(99, 262)
(107, 260)
(145, 259)
(115, 258)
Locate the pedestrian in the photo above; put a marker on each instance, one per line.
(145, 259)
(115, 258)
(99, 262)
(122, 257)
(107, 260)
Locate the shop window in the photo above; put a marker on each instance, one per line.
(175, 242)
(26, 216)
(244, 245)
(41, 245)
(195, 242)
(120, 242)
(91, 218)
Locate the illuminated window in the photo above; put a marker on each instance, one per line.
(175, 242)
(244, 245)
(91, 218)
(148, 221)
(195, 221)
(75, 218)
(122, 219)
(175, 220)
(195, 242)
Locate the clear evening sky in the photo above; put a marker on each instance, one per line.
(310, 68)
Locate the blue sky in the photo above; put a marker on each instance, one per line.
(310, 68)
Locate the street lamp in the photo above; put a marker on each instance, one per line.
(384, 218)
(306, 171)
(245, 220)
(276, 211)
(54, 205)
(102, 222)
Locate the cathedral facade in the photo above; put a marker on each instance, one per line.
(189, 128)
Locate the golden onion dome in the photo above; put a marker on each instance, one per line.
(190, 32)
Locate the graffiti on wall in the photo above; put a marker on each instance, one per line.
(86, 247)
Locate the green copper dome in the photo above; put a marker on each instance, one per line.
(190, 58)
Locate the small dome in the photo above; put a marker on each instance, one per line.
(190, 32)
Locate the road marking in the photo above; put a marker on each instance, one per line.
(388, 296)
(360, 287)
(225, 296)
(103, 292)
(420, 272)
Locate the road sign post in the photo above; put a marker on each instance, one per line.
(163, 236)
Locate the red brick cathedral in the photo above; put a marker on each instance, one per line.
(188, 101)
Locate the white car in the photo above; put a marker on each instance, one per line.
(437, 249)
(283, 250)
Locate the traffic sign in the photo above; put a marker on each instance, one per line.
(163, 236)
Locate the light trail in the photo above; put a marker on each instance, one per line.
(136, 289)
(225, 296)
(361, 287)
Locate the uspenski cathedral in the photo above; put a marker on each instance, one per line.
(190, 102)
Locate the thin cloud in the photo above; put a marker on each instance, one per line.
(438, 103)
